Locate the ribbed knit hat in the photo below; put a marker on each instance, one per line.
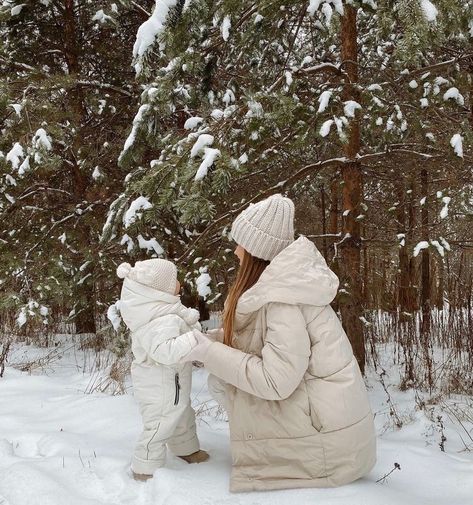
(265, 228)
(156, 273)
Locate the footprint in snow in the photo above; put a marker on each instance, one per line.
(26, 446)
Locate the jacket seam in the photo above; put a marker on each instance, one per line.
(315, 317)
(332, 374)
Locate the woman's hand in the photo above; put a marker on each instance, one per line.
(198, 352)
(215, 335)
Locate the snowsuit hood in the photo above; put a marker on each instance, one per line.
(298, 275)
(140, 304)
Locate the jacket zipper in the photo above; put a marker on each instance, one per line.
(178, 389)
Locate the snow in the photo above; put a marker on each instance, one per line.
(374, 87)
(325, 128)
(14, 155)
(10, 180)
(444, 212)
(413, 84)
(150, 245)
(126, 239)
(17, 108)
(16, 9)
(439, 247)
(454, 94)
(202, 283)
(429, 10)
(430, 136)
(133, 213)
(41, 140)
(21, 319)
(418, 248)
(138, 119)
(288, 77)
(327, 11)
(324, 100)
(101, 17)
(217, 114)
(326, 8)
(255, 109)
(150, 29)
(258, 19)
(225, 28)
(445, 244)
(457, 143)
(350, 108)
(228, 97)
(201, 143)
(24, 166)
(210, 155)
(97, 174)
(62, 440)
(192, 122)
(243, 158)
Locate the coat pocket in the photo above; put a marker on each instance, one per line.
(177, 388)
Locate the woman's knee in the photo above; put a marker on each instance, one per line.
(217, 389)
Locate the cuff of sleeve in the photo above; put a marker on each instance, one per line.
(224, 362)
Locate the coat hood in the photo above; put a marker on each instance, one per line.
(139, 304)
(298, 275)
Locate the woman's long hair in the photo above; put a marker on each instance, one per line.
(249, 272)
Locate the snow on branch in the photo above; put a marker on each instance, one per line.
(457, 143)
(149, 30)
(429, 10)
(134, 211)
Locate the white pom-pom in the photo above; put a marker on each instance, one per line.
(123, 270)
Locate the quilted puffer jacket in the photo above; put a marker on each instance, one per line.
(297, 403)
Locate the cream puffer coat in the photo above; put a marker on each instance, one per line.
(297, 404)
(161, 334)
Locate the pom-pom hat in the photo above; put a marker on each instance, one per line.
(156, 273)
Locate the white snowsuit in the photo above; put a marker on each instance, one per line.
(161, 333)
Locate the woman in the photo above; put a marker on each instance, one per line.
(297, 404)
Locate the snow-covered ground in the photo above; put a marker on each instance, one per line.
(62, 445)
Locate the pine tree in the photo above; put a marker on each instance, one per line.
(67, 94)
(241, 101)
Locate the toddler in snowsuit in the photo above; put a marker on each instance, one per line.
(162, 332)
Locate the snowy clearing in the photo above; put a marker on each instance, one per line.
(60, 445)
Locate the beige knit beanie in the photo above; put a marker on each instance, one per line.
(266, 228)
(155, 273)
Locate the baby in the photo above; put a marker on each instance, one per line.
(162, 332)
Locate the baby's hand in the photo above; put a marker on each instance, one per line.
(198, 352)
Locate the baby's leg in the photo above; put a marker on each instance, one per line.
(150, 450)
(184, 440)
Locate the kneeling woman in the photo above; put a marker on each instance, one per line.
(297, 404)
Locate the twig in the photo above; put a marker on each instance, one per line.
(397, 466)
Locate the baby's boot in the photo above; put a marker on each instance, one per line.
(141, 477)
(196, 457)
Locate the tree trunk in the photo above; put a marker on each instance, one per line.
(350, 248)
(324, 222)
(404, 288)
(425, 259)
(333, 226)
(333, 219)
(84, 292)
